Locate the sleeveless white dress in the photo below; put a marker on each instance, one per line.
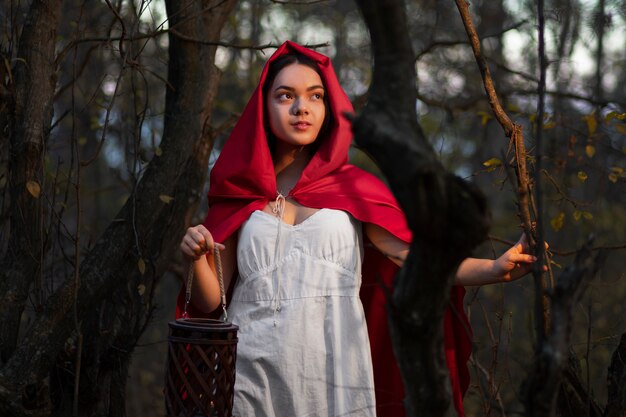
(303, 348)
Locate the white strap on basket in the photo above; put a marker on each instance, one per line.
(220, 280)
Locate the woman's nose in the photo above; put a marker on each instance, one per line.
(299, 107)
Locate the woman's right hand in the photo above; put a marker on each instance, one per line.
(197, 242)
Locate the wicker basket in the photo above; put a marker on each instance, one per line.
(201, 368)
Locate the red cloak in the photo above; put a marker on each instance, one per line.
(243, 180)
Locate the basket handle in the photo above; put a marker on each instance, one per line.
(220, 280)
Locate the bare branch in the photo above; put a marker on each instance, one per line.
(229, 45)
(442, 44)
(494, 102)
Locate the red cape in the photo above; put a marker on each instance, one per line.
(243, 180)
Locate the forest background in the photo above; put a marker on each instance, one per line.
(72, 170)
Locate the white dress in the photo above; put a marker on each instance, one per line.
(303, 348)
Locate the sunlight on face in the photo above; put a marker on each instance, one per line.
(295, 106)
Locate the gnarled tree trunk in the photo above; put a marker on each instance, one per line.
(448, 216)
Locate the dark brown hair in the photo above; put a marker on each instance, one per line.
(274, 68)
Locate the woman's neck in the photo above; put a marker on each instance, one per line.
(290, 158)
(289, 162)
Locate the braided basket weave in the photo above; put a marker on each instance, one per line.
(201, 368)
(200, 375)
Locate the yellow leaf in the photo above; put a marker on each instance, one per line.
(610, 116)
(557, 221)
(493, 162)
(613, 177)
(590, 150)
(33, 188)
(166, 198)
(582, 175)
(614, 115)
(141, 264)
(82, 140)
(158, 151)
(141, 289)
(592, 124)
(484, 117)
(549, 125)
(587, 215)
(577, 214)
(621, 128)
(617, 170)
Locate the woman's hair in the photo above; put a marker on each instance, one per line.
(274, 68)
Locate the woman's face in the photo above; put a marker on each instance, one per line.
(295, 105)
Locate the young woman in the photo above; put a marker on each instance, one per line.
(291, 215)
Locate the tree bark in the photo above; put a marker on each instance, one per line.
(616, 404)
(448, 216)
(29, 125)
(113, 301)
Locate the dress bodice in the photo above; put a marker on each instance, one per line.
(327, 240)
(303, 347)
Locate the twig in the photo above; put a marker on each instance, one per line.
(77, 280)
(539, 248)
(560, 192)
(230, 45)
(439, 44)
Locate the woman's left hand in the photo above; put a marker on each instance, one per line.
(516, 262)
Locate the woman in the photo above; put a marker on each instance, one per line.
(290, 213)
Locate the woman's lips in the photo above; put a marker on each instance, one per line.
(301, 125)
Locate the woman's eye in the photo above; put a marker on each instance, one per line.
(318, 96)
(285, 96)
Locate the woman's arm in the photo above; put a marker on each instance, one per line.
(392, 247)
(510, 266)
(196, 244)
(513, 264)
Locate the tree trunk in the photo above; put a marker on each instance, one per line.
(113, 300)
(29, 125)
(447, 215)
(616, 404)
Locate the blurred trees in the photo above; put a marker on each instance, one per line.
(102, 166)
